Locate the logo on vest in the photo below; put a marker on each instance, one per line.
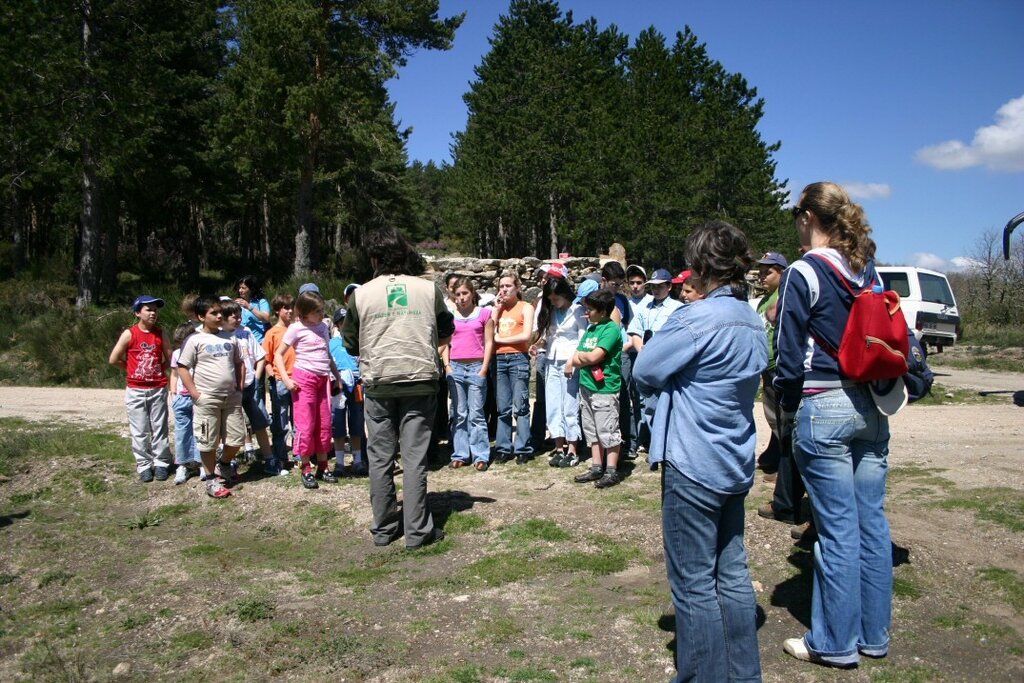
(398, 296)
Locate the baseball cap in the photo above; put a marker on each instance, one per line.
(309, 287)
(542, 268)
(660, 276)
(558, 270)
(586, 287)
(890, 395)
(339, 315)
(635, 269)
(144, 299)
(486, 299)
(351, 287)
(683, 276)
(774, 258)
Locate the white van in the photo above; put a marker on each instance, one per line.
(928, 303)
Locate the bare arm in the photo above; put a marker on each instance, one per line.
(279, 368)
(186, 378)
(488, 346)
(118, 355)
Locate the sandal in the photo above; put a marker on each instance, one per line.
(481, 466)
(214, 489)
(456, 464)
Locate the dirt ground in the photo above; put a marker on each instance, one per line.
(951, 621)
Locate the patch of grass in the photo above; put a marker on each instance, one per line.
(1009, 583)
(24, 442)
(588, 663)
(201, 549)
(189, 640)
(501, 568)
(7, 578)
(466, 673)
(143, 520)
(982, 362)
(905, 587)
(94, 485)
(633, 501)
(317, 517)
(23, 497)
(910, 674)
(924, 476)
(951, 621)
(253, 609)
(531, 530)
(560, 633)
(498, 630)
(527, 674)
(134, 621)
(58, 576)
(420, 626)
(1004, 506)
(464, 522)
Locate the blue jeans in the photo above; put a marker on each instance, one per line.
(841, 443)
(562, 395)
(253, 407)
(280, 419)
(716, 628)
(513, 399)
(185, 450)
(469, 426)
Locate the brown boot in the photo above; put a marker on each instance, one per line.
(803, 532)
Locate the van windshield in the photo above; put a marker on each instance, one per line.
(936, 290)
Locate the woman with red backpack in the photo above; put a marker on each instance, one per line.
(840, 436)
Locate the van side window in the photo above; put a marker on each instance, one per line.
(935, 289)
(897, 282)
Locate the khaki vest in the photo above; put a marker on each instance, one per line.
(397, 330)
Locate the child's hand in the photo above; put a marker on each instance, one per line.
(568, 369)
(483, 372)
(292, 386)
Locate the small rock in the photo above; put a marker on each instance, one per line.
(4, 479)
(758, 586)
(122, 669)
(460, 598)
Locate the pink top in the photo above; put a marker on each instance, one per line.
(182, 391)
(468, 340)
(310, 344)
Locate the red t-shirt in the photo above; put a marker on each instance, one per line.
(145, 359)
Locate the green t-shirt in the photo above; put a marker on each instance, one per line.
(604, 335)
(769, 329)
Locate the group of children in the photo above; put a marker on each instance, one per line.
(217, 360)
(580, 339)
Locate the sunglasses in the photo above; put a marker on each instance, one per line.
(797, 210)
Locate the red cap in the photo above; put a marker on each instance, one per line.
(682, 277)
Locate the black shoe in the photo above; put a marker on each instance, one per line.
(609, 479)
(502, 458)
(433, 537)
(522, 459)
(329, 477)
(588, 476)
(570, 460)
(556, 459)
(630, 456)
(384, 542)
(146, 476)
(309, 481)
(160, 474)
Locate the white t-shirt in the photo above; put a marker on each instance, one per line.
(565, 331)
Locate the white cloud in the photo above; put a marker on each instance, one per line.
(864, 191)
(999, 147)
(957, 264)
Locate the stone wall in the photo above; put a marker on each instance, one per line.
(485, 272)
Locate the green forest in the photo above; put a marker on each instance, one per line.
(166, 138)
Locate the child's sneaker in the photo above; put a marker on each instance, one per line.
(161, 473)
(326, 475)
(593, 474)
(226, 472)
(181, 475)
(570, 460)
(271, 468)
(309, 481)
(609, 479)
(360, 469)
(557, 458)
(146, 475)
(215, 489)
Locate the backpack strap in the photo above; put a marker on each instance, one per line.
(839, 273)
(810, 276)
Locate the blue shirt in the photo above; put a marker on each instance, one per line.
(652, 315)
(254, 324)
(705, 366)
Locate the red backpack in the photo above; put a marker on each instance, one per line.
(874, 344)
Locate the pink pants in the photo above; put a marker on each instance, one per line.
(311, 411)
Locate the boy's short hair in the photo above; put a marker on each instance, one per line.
(205, 304)
(308, 302)
(282, 301)
(613, 270)
(229, 308)
(602, 300)
(188, 304)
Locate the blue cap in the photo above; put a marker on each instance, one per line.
(774, 258)
(309, 287)
(660, 276)
(586, 287)
(144, 299)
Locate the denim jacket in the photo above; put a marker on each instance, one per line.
(705, 366)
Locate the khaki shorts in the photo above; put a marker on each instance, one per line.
(216, 419)
(600, 414)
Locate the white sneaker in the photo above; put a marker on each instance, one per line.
(180, 475)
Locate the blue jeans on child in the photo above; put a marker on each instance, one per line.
(562, 398)
(716, 612)
(513, 400)
(349, 421)
(841, 444)
(185, 450)
(280, 419)
(469, 426)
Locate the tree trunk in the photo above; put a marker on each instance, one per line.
(88, 266)
(553, 224)
(502, 239)
(305, 233)
(266, 226)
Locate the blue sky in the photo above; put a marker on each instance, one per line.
(916, 107)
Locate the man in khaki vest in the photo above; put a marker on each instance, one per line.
(394, 325)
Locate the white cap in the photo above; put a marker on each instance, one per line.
(890, 395)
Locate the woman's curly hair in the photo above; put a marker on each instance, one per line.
(843, 220)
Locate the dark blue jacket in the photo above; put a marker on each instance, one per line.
(813, 308)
